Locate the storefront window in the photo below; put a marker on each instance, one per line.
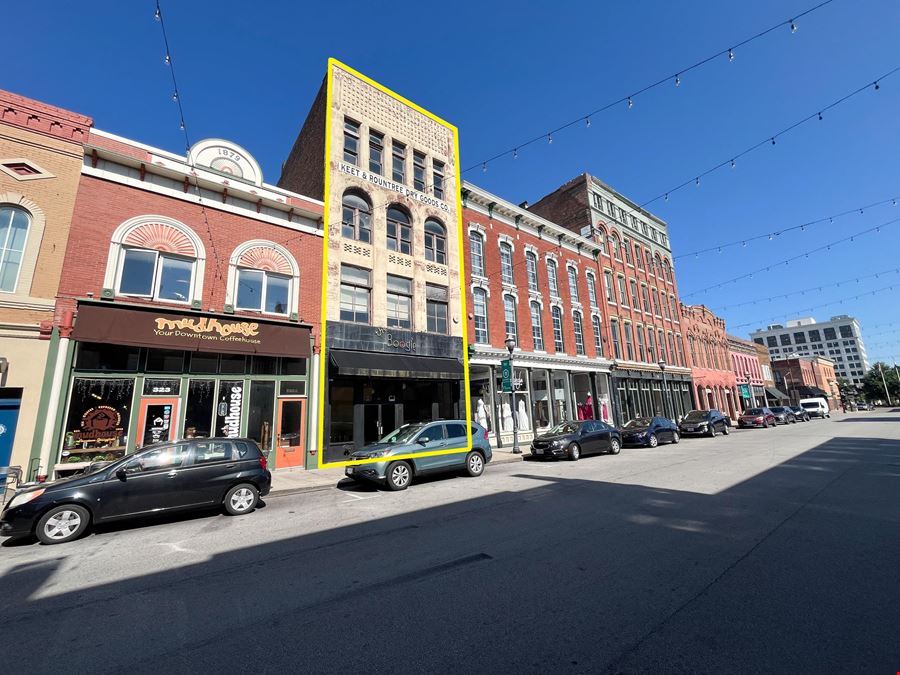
(199, 409)
(202, 362)
(541, 399)
(229, 406)
(262, 412)
(264, 365)
(233, 364)
(291, 366)
(481, 397)
(341, 414)
(97, 423)
(165, 361)
(111, 358)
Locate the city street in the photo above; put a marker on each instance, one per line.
(770, 550)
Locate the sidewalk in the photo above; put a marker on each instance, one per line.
(295, 480)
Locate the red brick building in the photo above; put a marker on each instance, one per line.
(808, 377)
(747, 371)
(584, 350)
(188, 306)
(712, 371)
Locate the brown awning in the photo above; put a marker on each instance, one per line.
(193, 332)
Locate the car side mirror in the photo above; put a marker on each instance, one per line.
(422, 441)
(120, 473)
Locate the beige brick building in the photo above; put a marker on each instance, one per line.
(394, 307)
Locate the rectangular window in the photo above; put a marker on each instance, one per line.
(662, 346)
(651, 345)
(679, 343)
(399, 302)
(558, 344)
(506, 263)
(814, 336)
(799, 338)
(623, 295)
(479, 311)
(537, 330)
(399, 236)
(592, 289)
(598, 336)
(398, 158)
(830, 334)
(262, 291)
(14, 223)
(665, 306)
(645, 294)
(846, 331)
(351, 141)
(154, 275)
(608, 286)
(437, 173)
(356, 289)
(579, 333)
(509, 315)
(642, 354)
(598, 201)
(785, 340)
(476, 246)
(419, 171)
(655, 302)
(629, 343)
(376, 152)
(638, 257)
(771, 341)
(627, 246)
(573, 283)
(551, 279)
(674, 307)
(436, 299)
(531, 270)
(617, 347)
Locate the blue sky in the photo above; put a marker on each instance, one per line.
(504, 72)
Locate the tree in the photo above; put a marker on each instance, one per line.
(873, 385)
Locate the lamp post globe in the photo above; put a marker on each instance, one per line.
(510, 344)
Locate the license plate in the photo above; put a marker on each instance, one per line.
(690, 428)
(537, 451)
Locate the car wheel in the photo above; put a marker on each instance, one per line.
(399, 476)
(241, 499)
(828, 416)
(652, 441)
(675, 438)
(712, 430)
(614, 446)
(726, 429)
(62, 523)
(474, 464)
(574, 452)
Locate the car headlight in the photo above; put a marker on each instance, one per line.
(377, 453)
(556, 444)
(25, 497)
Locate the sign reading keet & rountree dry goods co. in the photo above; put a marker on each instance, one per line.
(161, 330)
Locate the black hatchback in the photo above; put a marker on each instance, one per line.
(229, 473)
(574, 439)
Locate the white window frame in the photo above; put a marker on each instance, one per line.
(157, 272)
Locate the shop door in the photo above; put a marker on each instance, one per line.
(290, 442)
(379, 419)
(157, 421)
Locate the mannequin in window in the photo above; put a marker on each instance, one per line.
(523, 417)
(507, 416)
(481, 414)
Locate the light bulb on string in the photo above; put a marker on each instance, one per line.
(630, 102)
(820, 117)
(793, 26)
(181, 126)
(877, 86)
(697, 181)
(157, 15)
(484, 167)
(168, 59)
(731, 55)
(587, 122)
(174, 95)
(677, 80)
(515, 153)
(549, 139)
(773, 140)
(733, 164)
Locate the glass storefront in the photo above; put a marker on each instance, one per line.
(122, 398)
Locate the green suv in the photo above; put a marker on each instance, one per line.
(418, 438)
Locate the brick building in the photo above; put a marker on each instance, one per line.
(808, 377)
(747, 371)
(774, 395)
(188, 306)
(651, 373)
(711, 369)
(41, 155)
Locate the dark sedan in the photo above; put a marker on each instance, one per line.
(800, 413)
(574, 439)
(230, 473)
(783, 415)
(650, 432)
(756, 417)
(705, 423)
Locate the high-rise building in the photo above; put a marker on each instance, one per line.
(839, 339)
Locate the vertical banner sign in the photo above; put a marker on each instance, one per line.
(506, 375)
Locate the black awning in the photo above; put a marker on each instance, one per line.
(805, 390)
(377, 364)
(776, 393)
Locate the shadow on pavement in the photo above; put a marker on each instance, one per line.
(793, 570)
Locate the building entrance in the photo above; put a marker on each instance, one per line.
(379, 419)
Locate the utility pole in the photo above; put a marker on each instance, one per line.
(884, 382)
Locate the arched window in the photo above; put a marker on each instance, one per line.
(638, 258)
(156, 258)
(506, 263)
(476, 248)
(479, 311)
(558, 344)
(14, 225)
(399, 231)
(264, 277)
(537, 329)
(598, 336)
(531, 269)
(435, 242)
(356, 221)
(573, 282)
(509, 316)
(552, 281)
(601, 239)
(592, 289)
(667, 270)
(614, 246)
(579, 333)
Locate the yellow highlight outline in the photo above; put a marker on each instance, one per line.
(323, 365)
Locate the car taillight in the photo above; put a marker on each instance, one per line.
(485, 434)
(263, 462)
(758, 419)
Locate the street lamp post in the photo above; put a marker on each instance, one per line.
(884, 382)
(662, 366)
(750, 388)
(510, 346)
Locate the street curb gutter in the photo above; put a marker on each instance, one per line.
(504, 459)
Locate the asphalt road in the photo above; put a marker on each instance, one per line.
(769, 551)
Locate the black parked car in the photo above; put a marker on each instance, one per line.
(783, 415)
(230, 473)
(574, 439)
(800, 413)
(704, 422)
(650, 432)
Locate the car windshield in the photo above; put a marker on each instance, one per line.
(754, 411)
(402, 435)
(564, 428)
(697, 415)
(778, 409)
(810, 406)
(639, 422)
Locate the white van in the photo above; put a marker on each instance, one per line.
(816, 407)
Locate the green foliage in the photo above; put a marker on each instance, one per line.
(873, 385)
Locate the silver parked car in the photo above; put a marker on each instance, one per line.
(417, 438)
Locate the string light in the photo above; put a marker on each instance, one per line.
(175, 95)
(549, 140)
(516, 153)
(820, 117)
(168, 60)
(587, 122)
(157, 14)
(630, 103)
(877, 86)
(484, 167)
(793, 26)
(773, 140)
(731, 55)
(697, 181)
(733, 164)
(677, 81)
